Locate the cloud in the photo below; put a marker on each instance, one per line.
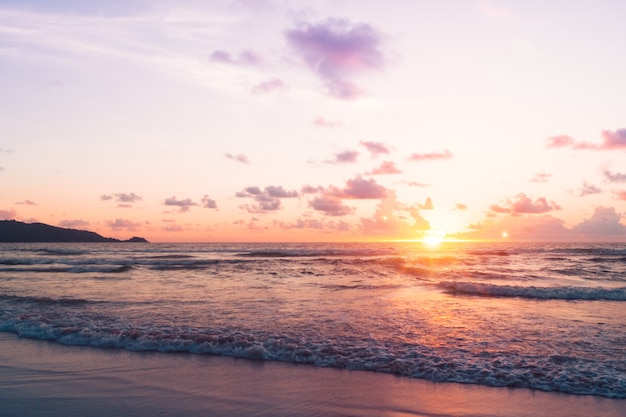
(529, 228)
(389, 219)
(428, 204)
(430, 156)
(493, 12)
(330, 205)
(460, 207)
(621, 195)
(386, 168)
(541, 177)
(268, 86)
(614, 176)
(183, 205)
(123, 224)
(336, 51)
(265, 200)
(604, 221)
(611, 140)
(309, 189)
(522, 204)
(417, 184)
(26, 203)
(246, 57)
(344, 157)
(588, 189)
(74, 224)
(7, 214)
(125, 199)
(239, 158)
(322, 122)
(208, 202)
(360, 188)
(375, 148)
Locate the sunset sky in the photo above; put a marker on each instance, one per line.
(281, 120)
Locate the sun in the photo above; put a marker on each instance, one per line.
(434, 237)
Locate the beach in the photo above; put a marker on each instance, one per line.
(39, 378)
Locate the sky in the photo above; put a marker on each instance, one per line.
(329, 120)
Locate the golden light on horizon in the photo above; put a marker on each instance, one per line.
(505, 235)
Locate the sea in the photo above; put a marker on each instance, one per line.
(543, 316)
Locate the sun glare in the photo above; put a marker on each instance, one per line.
(434, 238)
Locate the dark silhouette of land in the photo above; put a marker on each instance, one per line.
(14, 231)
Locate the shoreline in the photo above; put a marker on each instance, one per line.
(41, 378)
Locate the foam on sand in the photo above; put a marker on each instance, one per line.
(46, 379)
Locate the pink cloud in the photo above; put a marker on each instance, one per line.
(529, 228)
(239, 158)
(430, 156)
(386, 168)
(123, 224)
(360, 188)
(74, 224)
(336, 50)
(522, 204)
(7, 214)
(320, 121)
(345, 157)
(330, 205)
(309, 189)
(268, 86)
(375, 148)
(428, 204)
(541, 177)
(26, 203)
(603, 221)
(183, 205)
(611, 140)
(621, 195)
(389, 219)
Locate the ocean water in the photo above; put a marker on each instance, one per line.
(550, 317)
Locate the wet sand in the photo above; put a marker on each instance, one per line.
(46, 379)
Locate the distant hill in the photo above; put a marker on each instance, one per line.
(14, 231)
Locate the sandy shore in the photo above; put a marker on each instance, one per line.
(45, 379)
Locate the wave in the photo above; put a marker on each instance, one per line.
(542, 293)
(82, 269)
(44, 300)
(583, 377)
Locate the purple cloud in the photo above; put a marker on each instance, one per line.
(123, 224)
(344, 157)
(330, 205)
(614, 176)
(208, 202)
(183, 205)
(265, 200)
(588, 189)
(604, 221)
(360, 188)
(246, 57)
(336, 50)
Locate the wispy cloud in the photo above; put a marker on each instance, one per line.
(322, 122)
(617, 177)
(268, 86)
(239, 158)
(245, 57)
(7, 214)
(74, 224)
(541, 177)
(430, 156)
(26, 203)
(336, 51)
(522, 204)
(611, 140)
(588, 189)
